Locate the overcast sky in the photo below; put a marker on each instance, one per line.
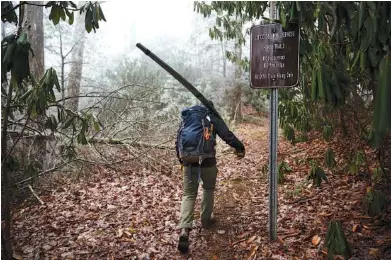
(147, 22)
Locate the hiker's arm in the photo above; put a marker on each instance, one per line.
(225, 134)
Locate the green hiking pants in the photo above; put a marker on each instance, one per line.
(208, 176)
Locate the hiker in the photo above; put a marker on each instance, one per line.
(195, 147)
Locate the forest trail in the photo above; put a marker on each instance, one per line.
(241, 205)
(125, 212)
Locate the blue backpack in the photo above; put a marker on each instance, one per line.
(196, 139)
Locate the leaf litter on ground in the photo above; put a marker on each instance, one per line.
(133, 212)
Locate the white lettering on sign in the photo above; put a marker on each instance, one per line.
(273, 65)
(275, 46)
(273, 61)
(274, 75)
(267, 36)
(274, 55)
(273, 58)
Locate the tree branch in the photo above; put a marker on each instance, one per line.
(74, 45)
(17, 140)
(333, 9)
(35, 195)
(44, 172)
(22, 3)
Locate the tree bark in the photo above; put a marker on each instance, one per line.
(6, 207)
(223, 54)
(237, 98)
(34, 17)
(385, 155)
(77, 63)
(62, 68)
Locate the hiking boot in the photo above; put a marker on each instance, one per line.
(209, 223)
(183, 244)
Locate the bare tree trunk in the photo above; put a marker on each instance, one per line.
(62, 68)
(34, 17)
(5, 204)
(77, 64)
(6, 245)
(224, 58)
(385, 155)
(236, 113)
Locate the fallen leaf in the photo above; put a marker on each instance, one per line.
(16, 256)
(251, 239)
(132, 230)
(111, 206)
(124, 188)
(46, 247)
(126, 239)
(315, 240)
(221, 232)
(355, 227)
(253, 251)
(374, 251)
(120, 232)
(243, 235)
(28, 249)
(237, 242)
(67, 255)
(153, 250)
(361, 217)
(127, 233)
(325, 214)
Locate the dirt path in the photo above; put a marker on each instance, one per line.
(132, 213)
(241, 202)
(303, 211)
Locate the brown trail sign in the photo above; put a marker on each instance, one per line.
(274, 53)
(274, 63)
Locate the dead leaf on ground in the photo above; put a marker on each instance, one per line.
(374, 251)
(325, 214)
(315, 240)
(253, 251)
(120, 233)
(356, 228)
(111, 206)
(238, 241)
(148, 200)
(17, 256)
(251, 239)
(280, 240)
(126, 239)
(243, 235)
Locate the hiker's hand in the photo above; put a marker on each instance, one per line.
(240, 154)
